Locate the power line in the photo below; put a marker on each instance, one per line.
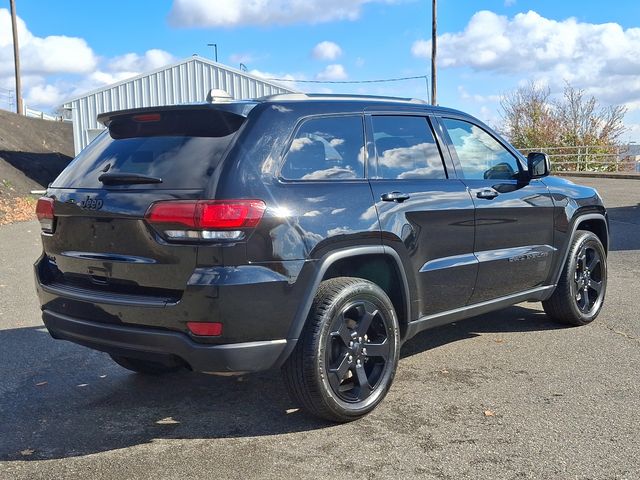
(382, 80)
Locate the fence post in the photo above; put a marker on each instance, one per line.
(578, 159)
(586, 159)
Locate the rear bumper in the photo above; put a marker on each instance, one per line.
(157, 343)
(255, 303)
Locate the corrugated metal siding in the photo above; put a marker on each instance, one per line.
(187, 82)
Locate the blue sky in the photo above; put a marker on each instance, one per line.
(487, 48)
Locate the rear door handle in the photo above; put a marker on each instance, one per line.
(395, 197)
(487, 193)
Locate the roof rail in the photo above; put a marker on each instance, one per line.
(335, 96)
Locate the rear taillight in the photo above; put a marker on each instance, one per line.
(205, 219)
(45, 214)
(205, 329)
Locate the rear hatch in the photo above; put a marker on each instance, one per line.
(98, 241)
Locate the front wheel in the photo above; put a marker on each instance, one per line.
(346, 358)
(579, 295)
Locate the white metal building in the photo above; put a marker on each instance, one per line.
(187, 81)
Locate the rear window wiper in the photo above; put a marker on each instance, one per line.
(127, 179)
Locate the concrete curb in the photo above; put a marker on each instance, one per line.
(630, 175)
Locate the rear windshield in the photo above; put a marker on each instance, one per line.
(182, 148)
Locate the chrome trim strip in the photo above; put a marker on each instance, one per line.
(449, 262)
(529, 252)
(107, 257)
(515, 253)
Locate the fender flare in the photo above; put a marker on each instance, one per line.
(576, 220)
(321, 266)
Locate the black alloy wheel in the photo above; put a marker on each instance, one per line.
(588, 278)
(581, 288)
(358, 351)
(345, 360)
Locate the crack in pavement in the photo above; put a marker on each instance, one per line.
(619, 332)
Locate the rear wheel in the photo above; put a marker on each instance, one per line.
(346, 357)
(579, 295)
(145, 367)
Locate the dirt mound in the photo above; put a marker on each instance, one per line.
(32, 152)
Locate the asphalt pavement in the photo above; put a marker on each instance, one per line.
(507, 395)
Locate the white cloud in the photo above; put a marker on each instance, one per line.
(285, 79)
(326, 51)
(465, 95)
(421, 48)
(41, 55)
(132, 62)
(115, 70)
(509, 3)
(56, 67)
(604, 58)
(232, 13)
(45, 95)
(333, 72)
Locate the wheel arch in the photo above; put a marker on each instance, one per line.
(370, 263)
(597, 225)
(595, 222)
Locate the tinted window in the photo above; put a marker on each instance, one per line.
(181, 148)
(481, 156)
(406, 148)
(328, 148)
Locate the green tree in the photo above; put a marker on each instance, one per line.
(584, 122)
(528, 117)
(531, 118)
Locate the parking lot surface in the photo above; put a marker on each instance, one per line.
(506, 395)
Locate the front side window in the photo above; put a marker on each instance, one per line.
(406, 148)
(326, 148)
(481, 156)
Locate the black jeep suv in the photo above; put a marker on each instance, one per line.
(312, 233)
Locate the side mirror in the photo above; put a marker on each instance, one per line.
(538, 164)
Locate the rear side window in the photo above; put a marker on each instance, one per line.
(406, 148)
(182, 148)
(326, 148)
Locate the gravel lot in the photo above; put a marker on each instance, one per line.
(507, 395)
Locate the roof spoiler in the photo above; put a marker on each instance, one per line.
(233, 107)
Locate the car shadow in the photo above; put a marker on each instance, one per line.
(60, 400)
(512, 319)
(624, 227)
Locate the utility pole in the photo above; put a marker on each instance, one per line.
(16, 57)
(215, 49)
(434, 51)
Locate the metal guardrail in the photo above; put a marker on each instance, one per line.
(8, 102)
(590, 158)
(30, 112)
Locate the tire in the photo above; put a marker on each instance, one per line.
(579, 295)
(145, 367)
(345, 360)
